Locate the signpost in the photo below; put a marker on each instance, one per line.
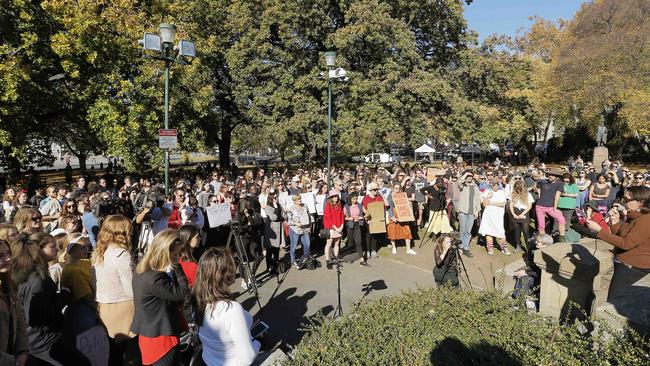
(168, 138)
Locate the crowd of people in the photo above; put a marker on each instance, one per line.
(149, 269)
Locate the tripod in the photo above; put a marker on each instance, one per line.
(242, 256)
(339, 268)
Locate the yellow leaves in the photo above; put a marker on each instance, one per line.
(636, 110)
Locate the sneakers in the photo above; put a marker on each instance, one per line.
(411, 251)
(394, 251)
(245, 285)
(506, 251)
(373, 254)
(364, 263)
(295, 265)
(467, 253)
(490, 251)
(517, 249)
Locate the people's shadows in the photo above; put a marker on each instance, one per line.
(633, 306)
(451, 352)
(579, 287)
(285, 313)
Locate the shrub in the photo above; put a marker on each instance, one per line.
(451, 327)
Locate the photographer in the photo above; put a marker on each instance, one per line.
(444, 272)
(631, 236)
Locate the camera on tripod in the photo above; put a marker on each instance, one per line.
(455, 239)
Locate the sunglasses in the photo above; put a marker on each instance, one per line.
(374, 189)
(639, 177)
(37, 219)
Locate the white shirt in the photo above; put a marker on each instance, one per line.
(521, 205)
(226, 335)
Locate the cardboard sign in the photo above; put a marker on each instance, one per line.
(320, 204)
(403, 207)
(309, 202)
(93, 343)
(433, 173)
(377, 222)
(218, 215)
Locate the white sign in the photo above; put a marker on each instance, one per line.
(167, 139)
(219, 214)
(308, 200)
(320, 204)
(285, 200)
(93, 343)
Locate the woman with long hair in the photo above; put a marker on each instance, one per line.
(190, 237)
(113, 275)
(28, 221)
(14, 346)
(520, 204)
(159, 288)
(20, 201)
(333, 220)
(396, 229)
(630, 234)
(8, 233)
(42, 306)
(444, 271)
(251, 227)
(224, 325)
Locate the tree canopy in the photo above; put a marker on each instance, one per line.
(72, 73)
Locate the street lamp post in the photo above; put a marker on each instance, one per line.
(333, 75)
(330, 60)
(164, 49)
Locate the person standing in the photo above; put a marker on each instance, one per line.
(550, 190)
(224, 325)
(113, 277)
(521, 202)
(492, 226)
(397, 230)
(159, 289)
(273, 232)
(333, 220)
(299, 229)
(437, 204)
(372, 195)
(469, 209)
(568, 199)
(355, 223)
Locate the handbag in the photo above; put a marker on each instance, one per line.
(190, 338)
(324, 234)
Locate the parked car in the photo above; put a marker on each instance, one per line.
(376, 158)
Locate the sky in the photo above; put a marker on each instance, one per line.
(507, 16)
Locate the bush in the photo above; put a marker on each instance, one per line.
(451, 327)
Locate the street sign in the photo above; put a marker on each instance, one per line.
(167, 139)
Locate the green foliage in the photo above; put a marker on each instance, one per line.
(451, 327)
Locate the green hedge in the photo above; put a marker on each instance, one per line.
(451, 327)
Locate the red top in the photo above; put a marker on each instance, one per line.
(189, 268)
(367, 199)
(600, 220)
(332, 216)
(174, 220)
(153, 349)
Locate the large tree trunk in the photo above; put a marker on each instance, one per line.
(82, 161)
(224, 148)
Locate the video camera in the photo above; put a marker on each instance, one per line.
(109, 206)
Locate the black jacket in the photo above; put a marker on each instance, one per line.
(43, 311)
(157, 298)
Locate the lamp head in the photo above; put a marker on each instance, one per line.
(330, 58)
(186, 48)
(167, 32)
(151, 42)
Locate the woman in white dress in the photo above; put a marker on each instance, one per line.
(494, 201)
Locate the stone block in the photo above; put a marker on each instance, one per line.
(630, 309)
(601, 153)
(573, 273)
(275, 358)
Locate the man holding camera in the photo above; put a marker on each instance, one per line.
(468, 208)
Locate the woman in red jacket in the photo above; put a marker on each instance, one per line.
(333, 220)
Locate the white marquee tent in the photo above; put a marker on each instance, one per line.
(424, 149)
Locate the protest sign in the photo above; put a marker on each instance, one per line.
(218, 215)
(309, 202)
(377, 222)
(403, 207)
(433, 173)
(93, 343)
(320, 204)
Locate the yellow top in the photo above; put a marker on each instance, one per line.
(78, 278)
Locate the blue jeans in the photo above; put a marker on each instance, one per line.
(295, 238)
(466, 224)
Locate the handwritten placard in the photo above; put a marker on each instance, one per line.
(308, 200)
(93, 343)
(432, 173)
(403, 207)
(320, 204)
(218, 215)
(377, 222)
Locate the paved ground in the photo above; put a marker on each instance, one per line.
(297, 297)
